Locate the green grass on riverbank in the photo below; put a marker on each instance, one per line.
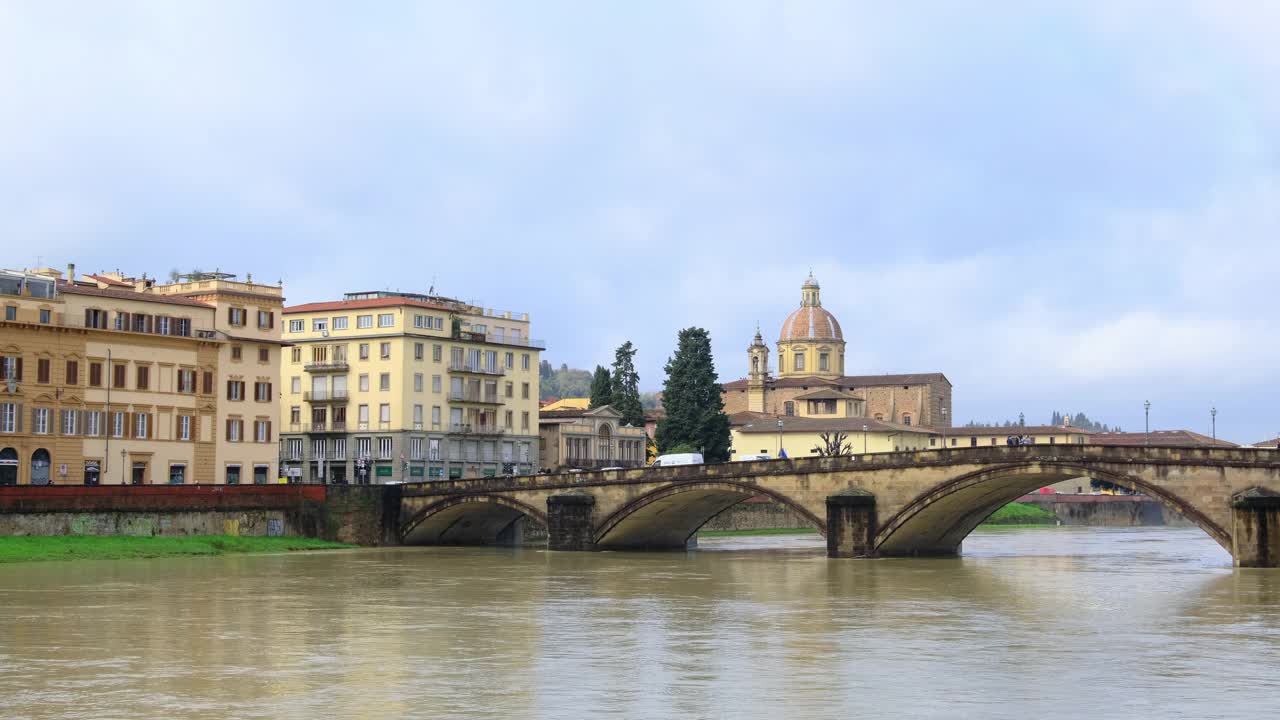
(98, 547)
(1017, 513)
(758, 531)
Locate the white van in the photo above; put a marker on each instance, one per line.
(678, 459)
(755, 457)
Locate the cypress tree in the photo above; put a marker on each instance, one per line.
(691, 395)
(601, 388)
(626, 386)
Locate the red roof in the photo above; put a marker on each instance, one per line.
(63, 287)
(364, 304)
(108, 281)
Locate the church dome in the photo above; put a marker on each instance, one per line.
(810, 321)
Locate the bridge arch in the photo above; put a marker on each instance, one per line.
(467, 520)
(665, 518)
(936, 521)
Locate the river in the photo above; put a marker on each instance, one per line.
(1028, 623)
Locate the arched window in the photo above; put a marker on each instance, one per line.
(879, 416)
(606, 443)
(755, 363)
(906, 419)
(799, 362)
(40, 462)
(8, 466)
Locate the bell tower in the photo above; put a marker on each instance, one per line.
(757, 378)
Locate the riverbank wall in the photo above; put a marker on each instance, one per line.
(359, 514)
(1107, 510)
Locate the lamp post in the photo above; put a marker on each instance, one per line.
(864, 438)
(1146, 437)
(123, 477)
(944, 428)
(1213, 417)
(779, 454)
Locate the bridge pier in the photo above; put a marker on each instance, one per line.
(569, 522)
(1255, 532)
(851, 524)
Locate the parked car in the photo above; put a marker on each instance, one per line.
(678, 459)
(754, 457)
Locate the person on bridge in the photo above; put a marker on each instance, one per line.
(782, 454)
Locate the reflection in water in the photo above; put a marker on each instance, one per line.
(1055, 622)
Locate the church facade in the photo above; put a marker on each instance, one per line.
(811, 382)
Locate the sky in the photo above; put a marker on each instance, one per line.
(1068, 206)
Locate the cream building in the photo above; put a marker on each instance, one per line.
(397, 387)
(588, 439)
(113, 379)
(760, 434)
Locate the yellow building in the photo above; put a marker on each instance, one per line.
(1031, 434)
(761, 434)
(111, 379)
(396, 387)
(588, 439)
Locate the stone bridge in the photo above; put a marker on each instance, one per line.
(909, 503)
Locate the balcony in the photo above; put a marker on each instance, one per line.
(474, 397)
(331, 366)
(492, 339)
(320, 427)
(323, 396)
(464, 367)
(465, 429)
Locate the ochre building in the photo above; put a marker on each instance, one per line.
(107, 379)
(811, 379)
(398, 387)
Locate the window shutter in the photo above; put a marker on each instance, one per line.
(87, 315)
(208, 383)
(19, 416)
(229, 421)
(18, 371)
(269, 395)
(271, 320)
(150, 424)
(268, 431)
(229, 389)
(129, 426)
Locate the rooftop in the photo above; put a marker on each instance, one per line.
(847, 382)
(750, 422)
(365, 304)
(1159, 438)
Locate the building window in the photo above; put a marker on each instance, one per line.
(45, 316)
(524, 390)
(384, 414)
(788, 408)
(340, 322)
(264, 355)
(144, 377)
(295, 414)
(236, 352)
(118, 377)
(510, 389)
(798, 363)
(140, 426)
(95, 374)
(235, 430)
(187, 381)
(973, 442)
(236, 316)
(262, 431)
(235, 390)
(384, 448)
(233, 474)
(419, 351)
(385, 350)
(364, 351)
(40, 421)
(435, 383)
(177, 474)
(524, 361)
(823, 361)
(320, 325)
(92, 423)
(11, 313)
(386, 320)
(262, 391)
(295, 326)
(906, 420)
(437, 351)
(384, 381)
(295, 385)
(70, 419)
(42, 371)
(364, 322)
(435, 417)
(8, 417)
(511, 361)
(266, 319)
(417, 382)
(117, 424)
(509, 420)
(363, 382)
(417, 417)
(524, 420)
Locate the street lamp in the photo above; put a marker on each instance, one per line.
(944, 428)
(864, 438)
(779, 454)
(1146, 406)
(1213, 416)
(123, 455)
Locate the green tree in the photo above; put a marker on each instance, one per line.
(626, 386)
(601, 388)
(691, 396)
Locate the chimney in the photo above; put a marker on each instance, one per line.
(71, 272)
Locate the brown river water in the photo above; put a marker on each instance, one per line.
(1028, 623)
